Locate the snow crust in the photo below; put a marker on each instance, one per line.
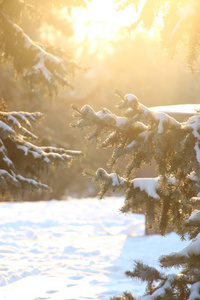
(130, 97)
(104, 113)
(121, 122)
(160, 292)
(196, 148)
(163, 118)
(7, 129)
(195, 216)
(74, 249)
(195, 294)
(149, 185)
(194, 124)
(116, 180)
(193, 248)
(4, 173)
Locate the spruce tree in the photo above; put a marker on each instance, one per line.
(140, 136)
(45, 69)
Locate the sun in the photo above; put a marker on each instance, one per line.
(101, 23)
(101, 20)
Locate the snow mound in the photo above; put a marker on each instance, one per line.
(73, 249)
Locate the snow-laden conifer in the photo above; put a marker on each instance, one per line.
(24, 164)
(140, 136)
(44, 67)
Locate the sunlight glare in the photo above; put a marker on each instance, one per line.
(100, 25)
(101, 22)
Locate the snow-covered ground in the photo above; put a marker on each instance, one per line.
(73, 249)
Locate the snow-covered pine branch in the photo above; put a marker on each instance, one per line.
(140, 130)
(145, 273)
(186, 284)
(38, 66)
(109, 182)
(18, 121)
(170, 288)
(190, 254)
(159, 196)
(20, 158)
(192, 224)
(142, 136)
(46, 68)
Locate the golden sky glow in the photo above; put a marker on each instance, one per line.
(101, 23)
(101, 20)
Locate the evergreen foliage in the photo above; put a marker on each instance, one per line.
(180, 23)
(22, 163)
(44, 67)
(140, 136)
(19, 157)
